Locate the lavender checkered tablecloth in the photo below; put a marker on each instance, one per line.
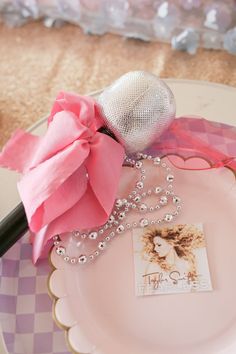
(25, 306)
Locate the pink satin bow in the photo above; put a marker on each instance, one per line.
(70, 175)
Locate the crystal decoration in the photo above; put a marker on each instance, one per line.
(218, 17)
(190, 4)
(166, 20)
(187, 40)
(117, 12)
(150, 20)
(212, 40)
(230, 41)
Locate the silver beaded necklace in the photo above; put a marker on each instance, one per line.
(117, 223)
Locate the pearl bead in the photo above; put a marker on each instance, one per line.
(163, 200)
(66, 258)
(158, 190)
(170, 178)
(93, 235)
(168, 217)
(120, 229)
(101, 231)
(138, 164)
(112, 234)
(121, 215)
(60, 250)
(83, 236)
(82, 259)
(176, 200)
(157, 160)
(96, 253)
(143, 222)
(107, 238)
(139, 185)
(118, 203)
(143, 207)
(137, 198)
(102, 245)
(111, 218)
(73, 260)
(76, 233)
(55, 238)
(56, 243)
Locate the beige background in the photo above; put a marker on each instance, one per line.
(36, 62)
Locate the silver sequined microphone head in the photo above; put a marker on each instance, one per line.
(137, 108)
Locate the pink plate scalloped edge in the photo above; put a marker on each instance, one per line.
(60, 301)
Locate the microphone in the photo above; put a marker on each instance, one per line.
(137, 108)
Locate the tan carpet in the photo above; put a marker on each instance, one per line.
(36, 62)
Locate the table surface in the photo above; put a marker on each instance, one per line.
(37, 62)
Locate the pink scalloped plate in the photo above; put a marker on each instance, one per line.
(96, 303)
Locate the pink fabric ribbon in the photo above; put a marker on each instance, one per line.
(70, 175)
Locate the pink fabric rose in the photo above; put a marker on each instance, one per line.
(70, 175)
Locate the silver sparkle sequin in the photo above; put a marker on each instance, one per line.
(138, 117)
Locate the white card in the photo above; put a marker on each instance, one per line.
(170, 260)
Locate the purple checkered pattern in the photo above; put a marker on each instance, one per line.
(25, 306)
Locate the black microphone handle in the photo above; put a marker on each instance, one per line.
(12, 228)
